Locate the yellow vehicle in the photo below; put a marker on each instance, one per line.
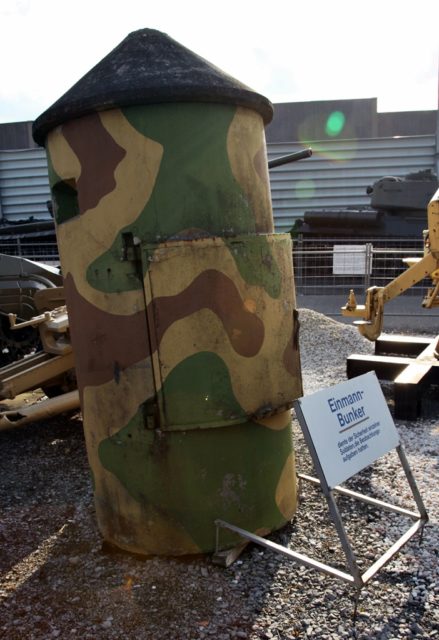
(409, 374)
(370, 315)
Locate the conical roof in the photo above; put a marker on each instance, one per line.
(148, 67)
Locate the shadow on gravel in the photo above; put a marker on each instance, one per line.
(414, 609)
(115, 595)
(35, 498)
(57, 577)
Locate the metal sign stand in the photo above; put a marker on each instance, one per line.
(354, 577)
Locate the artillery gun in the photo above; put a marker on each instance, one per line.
(20, 281)
(51, 368)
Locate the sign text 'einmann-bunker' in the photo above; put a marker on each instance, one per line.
(350, 425)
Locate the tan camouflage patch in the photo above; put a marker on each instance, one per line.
(257, 381)
(249, 164)
(150, 531)
(173, 271)
(277, 422)
(133, 387)
(140, 528)
(96, 229)
(64, 160)
(286, 489)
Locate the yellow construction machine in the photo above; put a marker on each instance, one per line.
(411, 362)
(371, 314)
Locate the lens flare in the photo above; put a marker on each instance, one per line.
(335, 124)
(305, 189)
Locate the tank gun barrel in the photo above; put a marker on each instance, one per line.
(291, 157)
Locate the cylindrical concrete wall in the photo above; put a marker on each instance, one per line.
(182, 314)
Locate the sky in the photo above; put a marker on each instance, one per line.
(287, 50)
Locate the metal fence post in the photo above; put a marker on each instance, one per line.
(368, 269)
(298, 260)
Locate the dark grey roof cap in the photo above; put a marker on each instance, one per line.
(148, 67)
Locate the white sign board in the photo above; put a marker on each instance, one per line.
(350, 426)
(349, 259)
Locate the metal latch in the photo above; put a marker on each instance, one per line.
(130, 247)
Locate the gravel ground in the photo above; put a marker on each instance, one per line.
(59, 581)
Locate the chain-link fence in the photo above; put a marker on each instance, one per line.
(321, 265)
(33, 246)
(333, 265)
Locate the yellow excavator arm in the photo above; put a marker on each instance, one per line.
(370, 315)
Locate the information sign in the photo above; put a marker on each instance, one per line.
(346, 428)
(350, 426)
(349, 259)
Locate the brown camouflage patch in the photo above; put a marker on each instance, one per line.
(98, 154)
(215, 291)
(104, 344)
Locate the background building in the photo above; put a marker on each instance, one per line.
(353, 146)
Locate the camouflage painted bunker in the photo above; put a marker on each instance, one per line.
(180, 296)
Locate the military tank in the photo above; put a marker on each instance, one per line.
(397, 210)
